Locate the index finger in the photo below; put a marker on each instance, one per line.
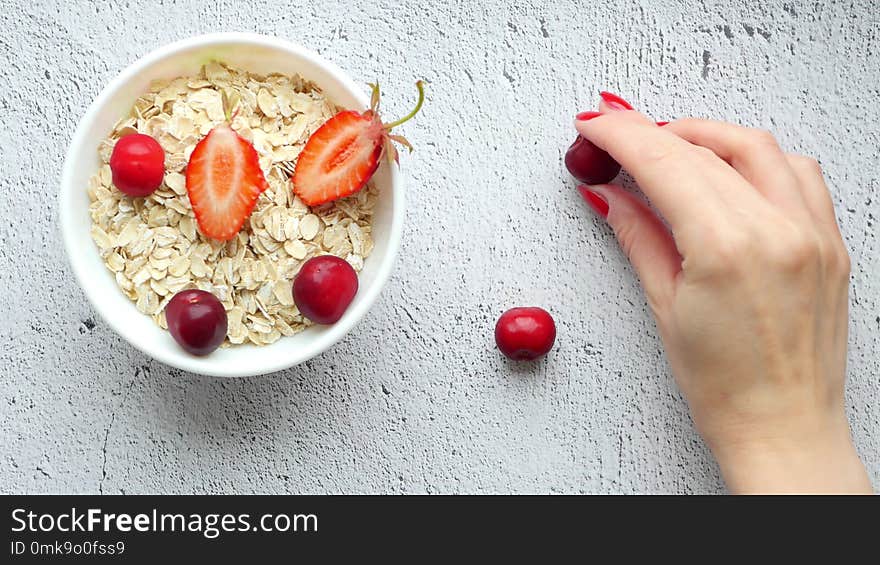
(677, 177)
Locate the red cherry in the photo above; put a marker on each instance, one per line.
(324, 287)
(138, 164)
(589, 164)
(525, 333)
(196, 320)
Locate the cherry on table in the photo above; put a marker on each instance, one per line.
(525, 333)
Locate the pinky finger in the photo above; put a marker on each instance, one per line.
(813, 188)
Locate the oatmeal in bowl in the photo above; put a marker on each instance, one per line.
(232, 191)
(153, 245)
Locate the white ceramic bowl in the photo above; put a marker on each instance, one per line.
(259, 54)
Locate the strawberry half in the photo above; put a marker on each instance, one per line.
(342, 155)
(223, 180)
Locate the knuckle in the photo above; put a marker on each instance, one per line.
(726, 252)
(795, 250)
(704, 152)
(733, 249)
(841, 263)
(807, 164)
(835, 260)
(688, 122)
(756, 142)
(762, 138)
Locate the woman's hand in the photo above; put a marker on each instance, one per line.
(749, 287)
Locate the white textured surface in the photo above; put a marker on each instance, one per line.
(416, 399)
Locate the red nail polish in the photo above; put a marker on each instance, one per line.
(614, 101)
(584, 116)
(595, 200)
(661, 124)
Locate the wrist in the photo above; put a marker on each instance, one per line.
(818, 459)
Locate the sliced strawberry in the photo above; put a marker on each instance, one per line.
(342, 155)
(224, 180)
(339, 158)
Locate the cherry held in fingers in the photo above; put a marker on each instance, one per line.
(524, 334)
(589, 164)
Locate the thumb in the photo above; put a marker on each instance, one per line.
(642, 236)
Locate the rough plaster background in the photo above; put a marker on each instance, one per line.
(416, 399)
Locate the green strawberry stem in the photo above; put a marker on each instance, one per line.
(230, 103)
(420, 85)
(374, 98)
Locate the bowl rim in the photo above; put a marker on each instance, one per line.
(203, 365)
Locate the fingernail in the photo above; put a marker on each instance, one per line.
(614, 101)
(596, 201)
(661, 124)
(584, 116)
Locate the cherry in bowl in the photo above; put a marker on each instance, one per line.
(137, 164)
(324, 287)
(525, 333)
(197, 321)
